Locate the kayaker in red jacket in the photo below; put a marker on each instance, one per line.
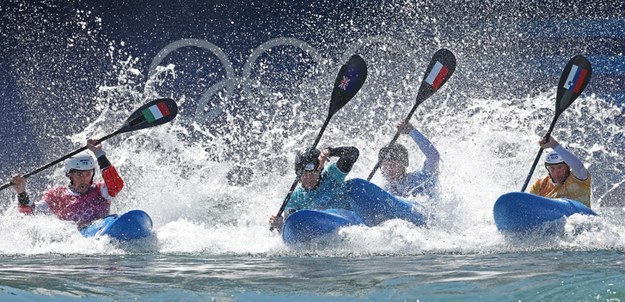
(567, 178)
(82, 201)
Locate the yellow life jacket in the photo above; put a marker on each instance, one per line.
(572, 188)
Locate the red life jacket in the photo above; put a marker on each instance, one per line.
(82, 208)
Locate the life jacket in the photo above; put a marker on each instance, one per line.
(81, 208)
(572, 188)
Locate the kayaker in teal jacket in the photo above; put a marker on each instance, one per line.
(321, 186)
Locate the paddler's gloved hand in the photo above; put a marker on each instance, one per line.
(18, 183)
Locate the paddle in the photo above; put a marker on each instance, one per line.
(348, 82)
(152, 114)
(573, 80)
(440, 69)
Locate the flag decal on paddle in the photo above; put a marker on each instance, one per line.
(156, 112)
(344, 83)
(575, 78)
(349, 80)
(437, 75)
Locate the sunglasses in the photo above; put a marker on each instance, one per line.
(310, 167)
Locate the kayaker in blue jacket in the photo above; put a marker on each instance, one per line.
(394, 163)
(321, 186)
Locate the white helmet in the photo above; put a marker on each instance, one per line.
(81, 161)
(553, 158)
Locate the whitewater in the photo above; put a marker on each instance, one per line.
(212, 239)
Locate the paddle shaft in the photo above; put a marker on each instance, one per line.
(540, 151)
(348, 82)
(60, 159)
(154, 113)
(412, 111)
(288, 195)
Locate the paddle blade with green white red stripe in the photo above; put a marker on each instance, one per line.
(573, 81)
(152, 114)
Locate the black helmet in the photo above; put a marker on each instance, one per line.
(306, 161)
(394, 152)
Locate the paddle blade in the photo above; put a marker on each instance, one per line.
(154, 113)
(440, 69)
(573, 81)
(348, 82)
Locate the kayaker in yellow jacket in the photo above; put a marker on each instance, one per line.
(567, 178)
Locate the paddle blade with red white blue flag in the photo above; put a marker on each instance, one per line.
(440, 69)
(348, 82)
(154, 113)
(573, 81)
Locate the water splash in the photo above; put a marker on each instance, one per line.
(277, 101)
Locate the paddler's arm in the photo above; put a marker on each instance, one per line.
(576, 165)
(432, 157)
(25, 205)
(114, 183)
(347, 157)
(23, 200)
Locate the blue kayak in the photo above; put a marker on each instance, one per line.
(374, 205)
(519, 212)
(307, 225)
(135, 224)
(370, 205)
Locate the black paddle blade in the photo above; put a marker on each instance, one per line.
(573, 81)
(152, 114)
(440, 69)
(348, 82)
